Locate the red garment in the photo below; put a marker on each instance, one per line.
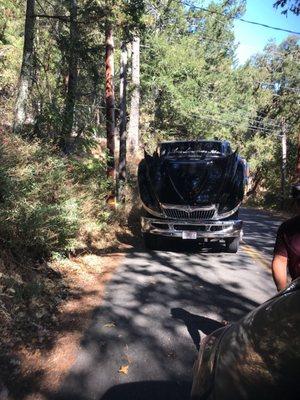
(288, 244)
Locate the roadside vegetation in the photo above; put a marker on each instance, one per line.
(84, 87)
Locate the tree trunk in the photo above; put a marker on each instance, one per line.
(122, 127)
(27, 69)
(68, 119)
(133, 129)
(283, 166)
(110, 100)
(298, 161)
(256, 182)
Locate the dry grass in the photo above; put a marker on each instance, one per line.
(45, 307)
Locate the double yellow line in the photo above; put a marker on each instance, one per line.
(256, 255)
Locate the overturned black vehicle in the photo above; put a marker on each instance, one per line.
(192, 190)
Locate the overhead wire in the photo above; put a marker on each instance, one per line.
(265, 125)
(240, 18)
(247, 115)
(231, 123)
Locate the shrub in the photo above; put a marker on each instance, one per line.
(39, 212)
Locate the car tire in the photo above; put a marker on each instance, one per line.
(152, 242)
(232, 244)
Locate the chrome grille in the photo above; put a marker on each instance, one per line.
(176, 213)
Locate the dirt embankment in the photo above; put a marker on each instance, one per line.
(46, 307)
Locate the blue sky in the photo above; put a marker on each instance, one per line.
(253, 38)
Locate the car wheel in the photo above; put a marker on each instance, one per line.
(152, 242)
(232, 244)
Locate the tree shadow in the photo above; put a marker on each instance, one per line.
(133, 325)
(195, 323)
(149, 390)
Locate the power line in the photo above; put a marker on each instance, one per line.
(257, 119)
(265, 127)
(230, 123)
(294, 90)
(253, 119)
(240, 19)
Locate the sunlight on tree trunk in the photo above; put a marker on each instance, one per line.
(27, 69)
(283, 165)
(110, 100)
(298, 160)
(122, 128)
(68, 120)
(133, 129)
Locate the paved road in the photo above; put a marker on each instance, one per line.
(159, 306)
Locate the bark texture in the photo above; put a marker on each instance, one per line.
(68, 119)
(110, 100)
(283, 165)
(122, 127)
(133, 129)
(298, 161)
(27, 68)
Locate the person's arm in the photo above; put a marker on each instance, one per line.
(280, 261)
(279, 271)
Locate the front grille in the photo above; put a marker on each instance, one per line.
(159, 226)
(190, 228)
(216, 228)
(176, 213)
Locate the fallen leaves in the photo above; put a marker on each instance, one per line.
(110, 325)
(124, 369)
(125, 358)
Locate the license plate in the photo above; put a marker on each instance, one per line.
(189, 235)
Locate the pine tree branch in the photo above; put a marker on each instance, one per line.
(60, 17)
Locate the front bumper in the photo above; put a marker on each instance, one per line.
(209, 229)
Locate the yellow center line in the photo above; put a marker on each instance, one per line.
(257, 256)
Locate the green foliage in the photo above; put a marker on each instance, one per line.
(11, 42)
(191, 87)
(188, 79)
(277, 72)
(38, 209)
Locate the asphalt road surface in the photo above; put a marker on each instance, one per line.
(159, 306)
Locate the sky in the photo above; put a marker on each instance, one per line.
(253, 38)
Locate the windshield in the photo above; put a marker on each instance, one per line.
(190, 148)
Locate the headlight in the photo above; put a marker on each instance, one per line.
(152, 210)
(227, 213)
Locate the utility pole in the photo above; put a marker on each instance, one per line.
(283, 163)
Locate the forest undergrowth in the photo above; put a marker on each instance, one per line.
(58, 241)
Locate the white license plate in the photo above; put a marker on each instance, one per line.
(189, 235)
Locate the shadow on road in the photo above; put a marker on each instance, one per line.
(260, 229)
(195, 323)
(133, 326)
(149, 390)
